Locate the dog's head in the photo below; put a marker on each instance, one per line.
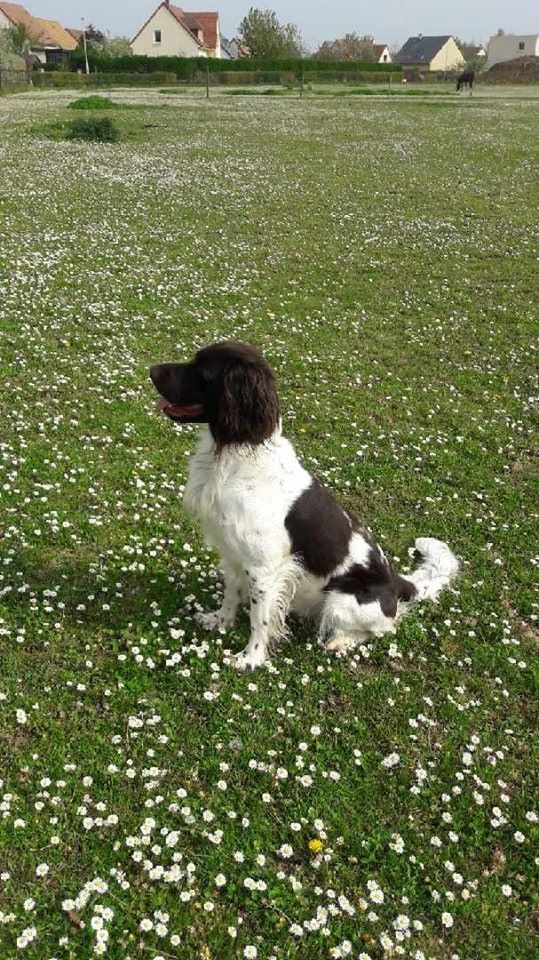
(228, 385)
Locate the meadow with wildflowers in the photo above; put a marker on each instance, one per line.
(154, 802)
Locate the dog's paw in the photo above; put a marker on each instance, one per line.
(341, 643)
(248, 659)
(212, 620)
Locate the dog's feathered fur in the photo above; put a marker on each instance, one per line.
(284, 542)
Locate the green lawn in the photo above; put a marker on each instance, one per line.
(155, 803)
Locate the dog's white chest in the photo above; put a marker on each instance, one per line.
(242, 496)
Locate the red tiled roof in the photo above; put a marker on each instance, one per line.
(42, 33)
(77, 34)
(50, 33)
(208, 22)
(17, 14)
(379, 48)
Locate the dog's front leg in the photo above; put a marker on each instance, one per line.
(235, 589)
(264, 592)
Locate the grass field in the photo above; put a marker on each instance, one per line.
(155, 803)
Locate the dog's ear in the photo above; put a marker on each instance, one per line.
(248, 408)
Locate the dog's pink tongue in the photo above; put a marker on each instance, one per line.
(163, 405)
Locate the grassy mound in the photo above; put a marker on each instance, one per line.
(93, 102)
(519, 70)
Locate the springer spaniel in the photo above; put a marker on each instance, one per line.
(284, 542)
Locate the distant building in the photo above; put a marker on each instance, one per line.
(509, 46)
(49, 40)
(173, 32)
(76, 34)
(438, 54)
(382, 53)
(470, 52)
(233, 49)
(226, 50)
(238, 49)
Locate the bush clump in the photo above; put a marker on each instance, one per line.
(97, 129)
(94, 102)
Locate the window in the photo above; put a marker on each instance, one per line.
(157, 36)
(521, 45)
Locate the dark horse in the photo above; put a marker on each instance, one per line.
(466, 79)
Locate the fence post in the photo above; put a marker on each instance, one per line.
(302, 82)
(389, 84)
(207, 80)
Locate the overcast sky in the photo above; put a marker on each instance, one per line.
(389, 21)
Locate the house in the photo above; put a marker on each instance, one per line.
(52, 38)
(473, 53)
(238, 48)
(233, 49)
(430, 54)
(381, 53)
(48, 40)
(509, 46)
(173, 32)
(14, 15)
(76, 34)
(226, 49)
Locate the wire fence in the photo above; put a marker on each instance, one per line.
(303, 81)
(64, 80)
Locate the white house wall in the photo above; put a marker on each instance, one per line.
(448, 58)
(175, 39)
(508, 47)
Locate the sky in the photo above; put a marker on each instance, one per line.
(389, 21)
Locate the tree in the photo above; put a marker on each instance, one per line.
(349, 47)
(266, 38)
(94, 35)
(112, 47)
(9, 58)
(117, 47)
(19, 39)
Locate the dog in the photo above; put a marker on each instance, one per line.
(466, 79)
(286, 545)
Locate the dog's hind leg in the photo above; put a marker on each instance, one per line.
(347, 622)
(343, 642)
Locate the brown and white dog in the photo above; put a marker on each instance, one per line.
(285, 543)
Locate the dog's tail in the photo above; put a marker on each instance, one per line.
(436, 568)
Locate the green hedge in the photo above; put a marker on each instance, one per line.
(62, 80)
(186, 68)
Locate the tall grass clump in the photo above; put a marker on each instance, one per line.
(96, 129)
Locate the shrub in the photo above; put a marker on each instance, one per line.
(189, 68)
(93, 102)
(98, 129)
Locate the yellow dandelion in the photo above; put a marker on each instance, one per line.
(316, 846)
